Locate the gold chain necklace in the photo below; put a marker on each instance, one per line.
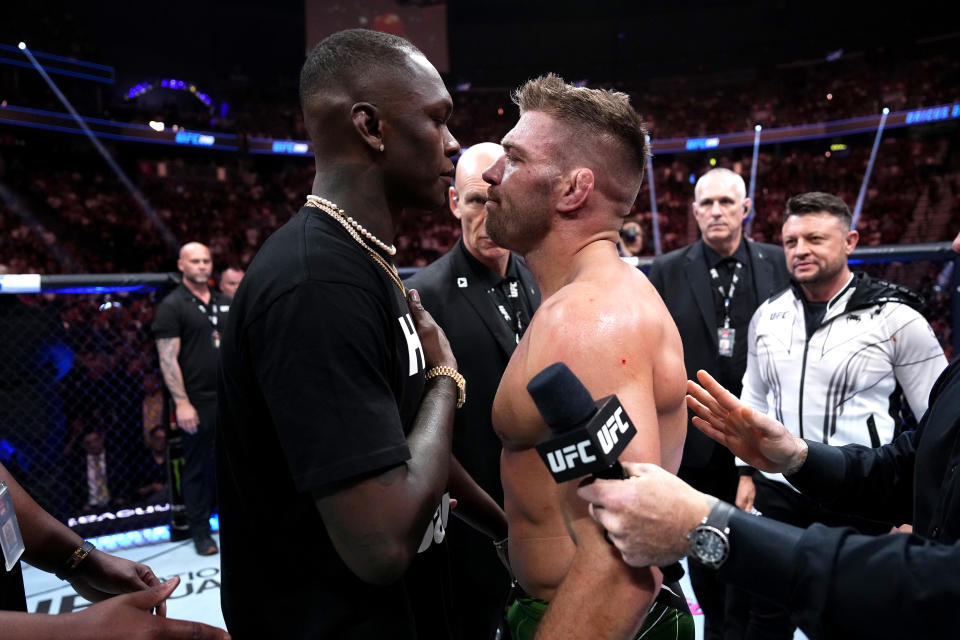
(328, 206)
(339, 215)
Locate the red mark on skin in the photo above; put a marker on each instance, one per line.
(894, 338)
(623, 362)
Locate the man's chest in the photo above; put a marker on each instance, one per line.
(515, 417)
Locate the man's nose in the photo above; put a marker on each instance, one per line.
(450, 145)
(494, 172)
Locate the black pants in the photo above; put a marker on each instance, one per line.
(725, 609)
(776, 500)
(199, 481)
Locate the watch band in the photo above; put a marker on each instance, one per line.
(719, 516)
(450, 372)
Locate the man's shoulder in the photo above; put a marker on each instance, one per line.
(764, 249)
(174, 296)
(675, 257)
(172, 304)
(309, 248)
(619, 305)
(432, 275)
(785, 296)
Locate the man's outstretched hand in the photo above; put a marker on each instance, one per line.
(129, 617)
(755, 438)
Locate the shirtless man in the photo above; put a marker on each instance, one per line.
(571, 170)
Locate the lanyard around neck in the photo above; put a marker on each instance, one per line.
(727, 295)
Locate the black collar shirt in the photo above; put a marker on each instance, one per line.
(742, 305)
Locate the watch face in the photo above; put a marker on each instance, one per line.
(709, 545)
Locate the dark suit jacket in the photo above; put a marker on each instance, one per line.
(482, 343)
(683, 281)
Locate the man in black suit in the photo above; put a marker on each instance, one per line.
(483, 297)
(712, 288)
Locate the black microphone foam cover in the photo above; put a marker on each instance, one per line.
(561, 399)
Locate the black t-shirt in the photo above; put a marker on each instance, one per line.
(321, 377)
(12, 597)
(198, 325)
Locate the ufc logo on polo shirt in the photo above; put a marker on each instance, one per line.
(414, 348)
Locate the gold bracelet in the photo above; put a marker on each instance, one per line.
(450, 372)
(79, 555)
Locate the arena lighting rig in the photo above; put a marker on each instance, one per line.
(58, 65)
(135, 193)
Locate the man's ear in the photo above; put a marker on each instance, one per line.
(452, 198)
(747, 203)
(577, 187)
(850, 242)
(366, 121)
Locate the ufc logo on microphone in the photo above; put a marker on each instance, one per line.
(566, 458)
(609, 433)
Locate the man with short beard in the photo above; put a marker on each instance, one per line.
(828, 357)
(570, 173)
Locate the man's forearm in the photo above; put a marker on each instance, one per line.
(48, 542)
(17, 625)
(430, 441)
(474, 505)
(170, 367)
(600, 596)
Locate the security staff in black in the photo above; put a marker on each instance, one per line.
(711, 288)
(337, 392)
(187, 328)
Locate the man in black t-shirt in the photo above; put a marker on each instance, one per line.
(187, 328)
(336, 390)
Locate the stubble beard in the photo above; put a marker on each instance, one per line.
(821, 275)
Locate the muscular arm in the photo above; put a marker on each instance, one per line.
(169, 351)
(600, 597)
(636, 355)
(377, 521)
(376, 524)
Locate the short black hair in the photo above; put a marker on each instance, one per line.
(347, 55)
(819, 202)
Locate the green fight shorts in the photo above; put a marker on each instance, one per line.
(661, 623)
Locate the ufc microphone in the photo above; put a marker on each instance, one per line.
(586, 437)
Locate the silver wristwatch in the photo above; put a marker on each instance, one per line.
(710, 541)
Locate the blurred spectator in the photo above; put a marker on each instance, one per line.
(230, 280)
(153, 469)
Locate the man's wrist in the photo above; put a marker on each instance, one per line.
(77, 558)
(452, 374)
(799, 456)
